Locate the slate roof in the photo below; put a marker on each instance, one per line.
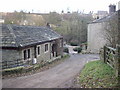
(104, 19)
(101, 20)
(15, 35)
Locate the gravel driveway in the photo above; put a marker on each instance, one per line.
(54, 77)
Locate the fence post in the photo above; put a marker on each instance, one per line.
(118, 64)
(6, 64)
(104, 49)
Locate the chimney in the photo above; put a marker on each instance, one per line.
(112, 9)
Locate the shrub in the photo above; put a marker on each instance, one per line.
(66, 50)
(73, 43)
(12, 71)
(75, 49)
(19, 70)
(78, 49)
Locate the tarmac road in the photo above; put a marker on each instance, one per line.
(54, 77)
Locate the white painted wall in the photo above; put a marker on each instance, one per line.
(119, 5)
(96, 38)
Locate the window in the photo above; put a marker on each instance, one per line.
(60, 43)
(28, 53)
(25, 55)
(46, 47)
(38, 48)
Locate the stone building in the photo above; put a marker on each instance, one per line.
(95, 36)
(100, 14)
(119, 5)
(29, 45)
(96, 31)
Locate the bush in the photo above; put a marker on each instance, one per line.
(75, 49)
(15, 70)
(65, 56)
(73, 44)
(78, 49)
(66, 50)
(19, 70)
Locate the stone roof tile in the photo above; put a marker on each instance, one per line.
(15, 35)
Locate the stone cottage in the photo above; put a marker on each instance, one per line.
(96, 39)
(29, 45)
(97, 30)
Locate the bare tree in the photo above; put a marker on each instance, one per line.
(110, 27)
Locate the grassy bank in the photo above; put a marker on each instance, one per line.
(97, 74)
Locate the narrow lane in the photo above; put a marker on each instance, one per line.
(53, 77)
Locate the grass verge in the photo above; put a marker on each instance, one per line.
(97, 74)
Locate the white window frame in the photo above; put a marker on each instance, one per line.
(47, 49)
(60, 43)
(24, 54)
(27, 54)
(39, 50)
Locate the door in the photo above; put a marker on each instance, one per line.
(54, 50)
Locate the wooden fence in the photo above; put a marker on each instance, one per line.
(13, 63)
(111, 57)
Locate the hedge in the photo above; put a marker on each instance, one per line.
(78, 49)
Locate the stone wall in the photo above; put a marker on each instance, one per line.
(10, 58)
(96, 38)
(12, 55)
(9, 55)
(44, 56)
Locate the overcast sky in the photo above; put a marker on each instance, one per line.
(44, 6)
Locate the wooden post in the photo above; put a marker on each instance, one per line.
(118, 47)
(6, 64)
(104, 54)
(118, 64)
(62, 46)
(17, 63)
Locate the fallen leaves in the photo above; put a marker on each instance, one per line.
(96, 74)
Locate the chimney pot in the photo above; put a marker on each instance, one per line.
(112, 9)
